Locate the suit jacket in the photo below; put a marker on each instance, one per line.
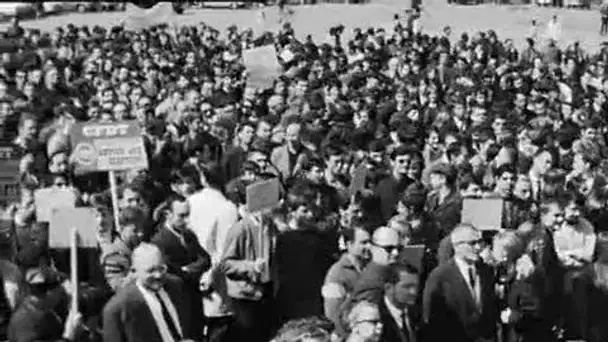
(391, 332)
(127, 317)
(446, 214)
(280, 159)
(178, 255)
(449, 308)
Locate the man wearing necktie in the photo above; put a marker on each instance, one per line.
(459, 299)
(398, 310)
(183, 254)
(153, 308)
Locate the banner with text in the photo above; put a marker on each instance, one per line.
(109, 146)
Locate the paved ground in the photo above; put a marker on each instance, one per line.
(508, 21)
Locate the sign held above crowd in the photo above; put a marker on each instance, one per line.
(483, 213)
(263, 195)
(107, 147)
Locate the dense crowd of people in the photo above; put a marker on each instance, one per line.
(377, 139)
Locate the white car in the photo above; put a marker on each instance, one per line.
(12, 9)
(58, 7)
(223, 4)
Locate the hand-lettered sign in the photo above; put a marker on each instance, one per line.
(109, 146)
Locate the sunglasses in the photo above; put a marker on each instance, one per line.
(389, 248)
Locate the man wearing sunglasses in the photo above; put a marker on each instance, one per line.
(385, 249)
(459, 299)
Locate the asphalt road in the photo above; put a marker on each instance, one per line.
(508, 21)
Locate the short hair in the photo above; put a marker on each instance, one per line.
(394, 271)
(350, 233)
(459, 230)
(297, 330)
(512, 242)
(312, 162)
(130, 216)
(505, 168)
(214, 174)
(141, 250)
(355, 311)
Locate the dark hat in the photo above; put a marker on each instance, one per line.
(445, 169)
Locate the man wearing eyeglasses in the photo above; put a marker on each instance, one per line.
(385, 249)
(459, 299)
(151, 309)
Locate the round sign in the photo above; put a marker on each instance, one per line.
(85, 153)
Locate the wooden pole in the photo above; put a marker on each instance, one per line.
(114, 194)
(74, 267)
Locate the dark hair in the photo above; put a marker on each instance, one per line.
(506, 168)
(393, 273)
(130, 216)
(214, 175)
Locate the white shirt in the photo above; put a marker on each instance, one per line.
(157, 313)
(211, 216)
(397, 315)
(395, 312)
(463, 267)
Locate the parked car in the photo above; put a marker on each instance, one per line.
(17, 9)
(223, 4)
(98, 6)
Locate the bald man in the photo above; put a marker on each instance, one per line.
(153, 308)
(459, 299)
(385, 249)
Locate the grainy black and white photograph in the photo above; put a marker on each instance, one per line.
(304, 171)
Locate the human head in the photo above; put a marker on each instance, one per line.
(148, 266)
(505, 180)
(402, 285)
(507, 246)
(467, 242)
(385, 246)
(131, 230)
(365, 322)
(358, 243)
(178, 213)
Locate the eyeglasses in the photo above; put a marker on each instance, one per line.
(376, 321)
(477, 242)
(162, 269)
(389, 248)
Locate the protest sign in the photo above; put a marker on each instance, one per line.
(484, 214)
(263, 195)
(412, 255)
(262, 66)
(359, 179)
(109, 146)
(9, 171)
(49, 199)
(65, 220)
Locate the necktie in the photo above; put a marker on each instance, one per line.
(472, 282)
(168, 319)
(405, 326)
(472, 277)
